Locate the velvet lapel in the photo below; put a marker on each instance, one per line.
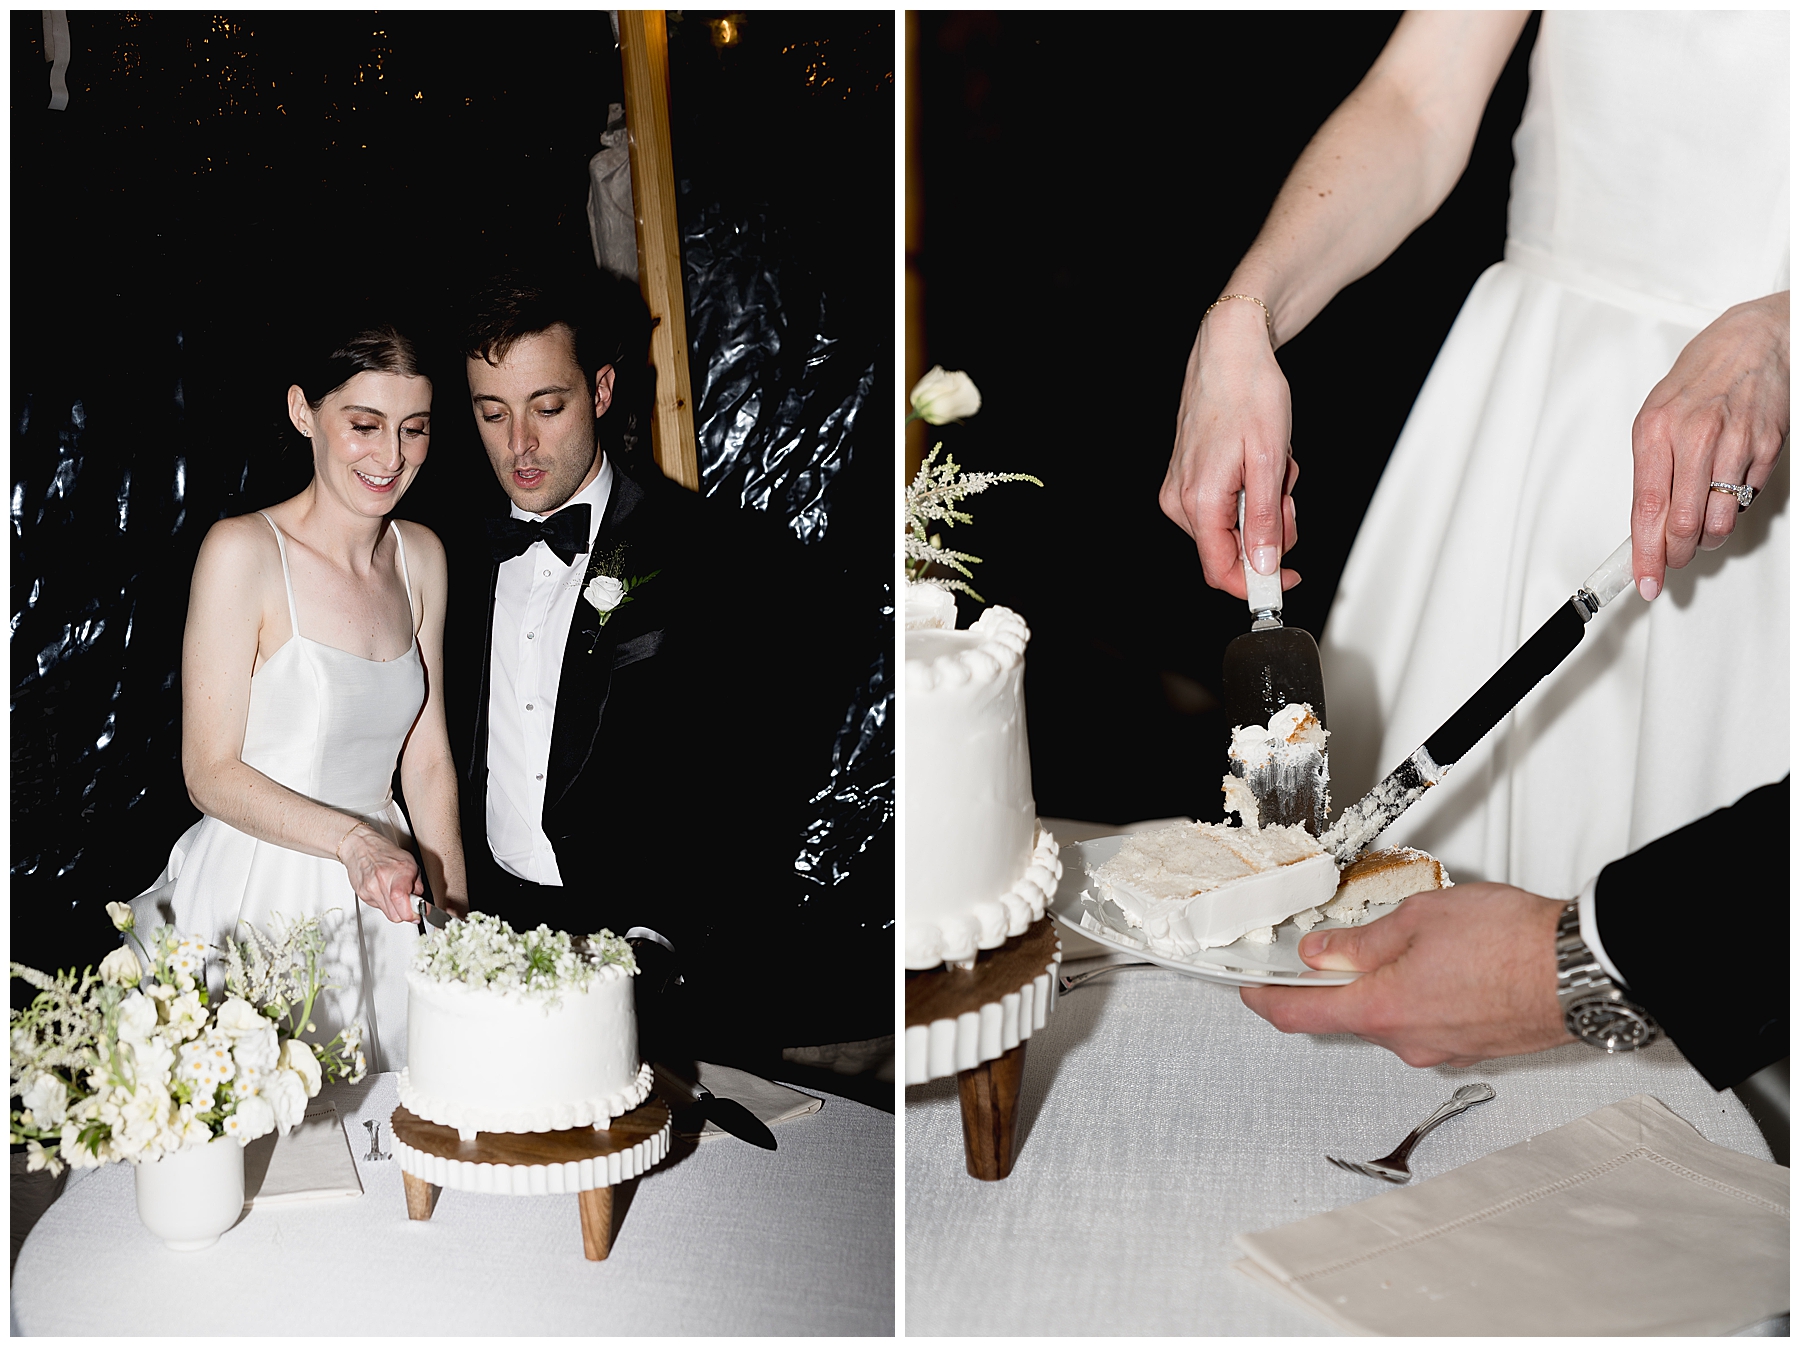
(588, 658)
(478, 751)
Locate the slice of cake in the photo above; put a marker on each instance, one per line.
(529, 1031)
(1384, 877)
(1195, 886)
(978, 868)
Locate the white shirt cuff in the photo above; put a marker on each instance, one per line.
(1590, 931)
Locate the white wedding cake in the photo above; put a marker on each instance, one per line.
(979, 869)
(521, 1032)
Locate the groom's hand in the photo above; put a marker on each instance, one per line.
(1450, 978)
(384, 876)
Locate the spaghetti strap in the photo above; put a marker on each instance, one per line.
(405, 579)
(286, 578)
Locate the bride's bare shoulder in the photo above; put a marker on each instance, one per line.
(243, 544)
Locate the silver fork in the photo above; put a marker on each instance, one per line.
(1393, 1167)
(1068, 984)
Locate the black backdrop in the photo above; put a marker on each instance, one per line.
(215, 177)
(1090, 179)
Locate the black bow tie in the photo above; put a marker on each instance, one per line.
(566, 533)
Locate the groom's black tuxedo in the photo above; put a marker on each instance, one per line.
(1728, 870)
(619, 789)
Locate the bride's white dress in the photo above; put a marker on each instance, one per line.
(328, 725)
(1650, 194)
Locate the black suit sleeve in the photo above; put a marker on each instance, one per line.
(1727, 872)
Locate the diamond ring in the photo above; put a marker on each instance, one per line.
(1745, 494)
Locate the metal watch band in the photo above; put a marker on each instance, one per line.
(1594, 1009)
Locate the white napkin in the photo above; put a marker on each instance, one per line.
(768, 1101)
(1627, 1221)
(313, 1161)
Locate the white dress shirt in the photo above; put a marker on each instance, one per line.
(534, 602)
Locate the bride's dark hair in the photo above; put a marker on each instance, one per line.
(380, 348)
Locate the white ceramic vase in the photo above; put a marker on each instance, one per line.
(189, 1198)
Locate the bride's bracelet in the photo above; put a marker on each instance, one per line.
(1268, 318)
(339, 853)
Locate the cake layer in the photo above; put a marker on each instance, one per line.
(481, 1059)
(1195, 886)
(971, 833)
(1384, 877)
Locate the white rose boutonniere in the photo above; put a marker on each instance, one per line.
(609, 589)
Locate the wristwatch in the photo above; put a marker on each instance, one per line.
(1594, 1008)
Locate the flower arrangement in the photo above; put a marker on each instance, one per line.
(483, 951)
(107, 1068)
(944, 395)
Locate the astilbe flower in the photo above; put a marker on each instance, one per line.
(930, 499)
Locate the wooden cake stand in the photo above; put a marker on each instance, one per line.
(973, 1023)
(580, 1160)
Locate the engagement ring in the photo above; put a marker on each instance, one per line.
(1745, 494)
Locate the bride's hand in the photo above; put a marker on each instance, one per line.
(1232, 433)
(1720, 415)
(385, 876)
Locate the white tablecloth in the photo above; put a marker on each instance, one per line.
(722, 1239)
(1160, 1118)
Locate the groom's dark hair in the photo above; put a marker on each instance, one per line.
(518, 304)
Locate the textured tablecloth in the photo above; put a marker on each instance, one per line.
(1160, 1118)
(722, 1239)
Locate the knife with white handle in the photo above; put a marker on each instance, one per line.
(1364, 821)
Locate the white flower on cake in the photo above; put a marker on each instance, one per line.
(944, 395)
(484, 951)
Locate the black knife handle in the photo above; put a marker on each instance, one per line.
(1548, 647)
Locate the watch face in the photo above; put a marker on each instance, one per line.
(1616, 1026)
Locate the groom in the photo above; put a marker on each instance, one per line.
(575, 739)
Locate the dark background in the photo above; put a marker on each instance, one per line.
(218, 181)
(1090, 180)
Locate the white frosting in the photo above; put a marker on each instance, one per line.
(1196, 886)
(482, 1060)
(929, 607)
(978, 870)
(1274, 756)
(572, 1176)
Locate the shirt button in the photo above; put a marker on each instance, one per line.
(546, 575)
(530, 635)
(528, 706)
(540, 776)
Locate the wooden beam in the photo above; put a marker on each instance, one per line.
(644, 58)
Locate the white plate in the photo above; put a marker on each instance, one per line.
(1239, 964)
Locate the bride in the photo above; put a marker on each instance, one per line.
(311, 664)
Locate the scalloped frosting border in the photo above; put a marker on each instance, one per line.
(468, 1119)
(990, 924)
(1001, 649)
(576, 1176)
(945, 1047)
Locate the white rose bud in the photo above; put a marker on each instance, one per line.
(121, 967)
(298, 1058)
(945, 395)
(123, 918)
(605, 592)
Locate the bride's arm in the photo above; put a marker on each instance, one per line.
(427, 773)
(1380, 166)
(236, 573)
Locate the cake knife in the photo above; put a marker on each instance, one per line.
(1265, 669)
(1530, 664)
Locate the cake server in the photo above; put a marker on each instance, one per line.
(1265, 669)
(1530, 664)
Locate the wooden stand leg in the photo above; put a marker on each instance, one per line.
(990, 1111)
(596, 1222)
(421, 1197)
